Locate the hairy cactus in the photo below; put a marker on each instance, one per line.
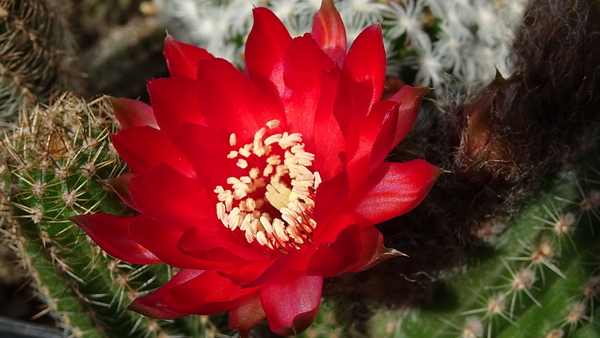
(426, 40)
(57, 160)
(37, 58)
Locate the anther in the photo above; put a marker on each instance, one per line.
(242, 163)
(273, 124)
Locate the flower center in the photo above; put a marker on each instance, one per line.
(274, 202)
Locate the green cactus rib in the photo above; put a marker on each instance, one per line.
(540, 278)
(58, 158)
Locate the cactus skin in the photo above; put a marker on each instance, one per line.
(58, 157)
(38, 54)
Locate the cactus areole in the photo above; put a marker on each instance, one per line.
(258, 185)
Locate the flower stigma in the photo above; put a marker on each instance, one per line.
(274, 202)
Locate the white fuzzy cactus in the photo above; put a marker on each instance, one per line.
(444, 40)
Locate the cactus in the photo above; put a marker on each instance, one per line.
(59, 158)
(429, 42)
(121, 62)
(38, 55)
(538, 279)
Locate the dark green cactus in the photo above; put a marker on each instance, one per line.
(37, 58)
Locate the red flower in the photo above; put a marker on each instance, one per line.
(259, 185)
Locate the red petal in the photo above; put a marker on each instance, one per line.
(206, 294)
(410, 99)
(247, 315)
(328, 141)
(329, 198)
(386, 134)
(182, 59)
(196, 244)
(152, 306)
(304, 64)
(364, 72)
(324, 235)
(180, 202)
(396, 123)
(361, 142)
(206, 149)
(291, 302)
(259, 273)
(338, 256)
(174, 102)
(144, 148)
(133, 113)
(372, 250)
(119, 186)
(162, 241)
(265, 50)
(111, 233)
(330, 33)
(230, 101)
(392, 190)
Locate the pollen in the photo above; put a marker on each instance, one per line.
(272, 202)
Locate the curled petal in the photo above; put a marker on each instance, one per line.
(265, 50)
(174, 102)
(291, 302)
(133, 113)
(247, 315)
(330, 33)
(372, 250)
(111, 233)
(392, 190)
(182, 59)
(144, 148)
(119, 186)
(152, 306)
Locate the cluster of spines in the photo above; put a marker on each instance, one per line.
(56, 161)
